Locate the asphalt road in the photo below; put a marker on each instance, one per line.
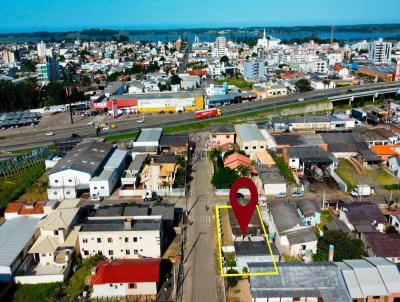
(33, 138)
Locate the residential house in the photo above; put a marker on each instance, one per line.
(385, 245)
(385, 152)
(363, 217)
(302, 158)
(159, 174)
(298, 281)
(378, 136)
(177, 144)
(125, 278)
(235, 160)
(254, 251)
(270, 180)
(250, 139)
(50, 257)
(221, 134)
(16, 237)
(371, 279)
(291, 236)
(31, 209)
(309, 211)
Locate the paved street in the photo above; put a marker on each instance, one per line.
(200, 283)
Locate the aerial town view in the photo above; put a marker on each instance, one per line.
(200, 151)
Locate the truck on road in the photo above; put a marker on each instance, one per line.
(206, 113)
(362, 190)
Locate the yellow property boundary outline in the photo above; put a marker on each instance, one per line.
(274, 273)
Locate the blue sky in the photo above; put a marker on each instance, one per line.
(32, 15)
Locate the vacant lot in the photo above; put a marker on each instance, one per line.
(13, 187)
(376, 177)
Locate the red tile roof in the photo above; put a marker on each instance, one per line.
(27, 208)
(126, 271)
(236, 159)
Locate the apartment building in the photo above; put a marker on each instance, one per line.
(121, 238)
(379, 52)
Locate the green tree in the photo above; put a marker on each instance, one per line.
(223, 178)
(391, 229)
(54, 95)
(243, 170)
(303, 85)
(345, 246)
(233, 281)
(224, 60)
(175, 80)
(214, 154)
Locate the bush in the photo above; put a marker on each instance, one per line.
(35, 292)
(233, 281)
(392, 187)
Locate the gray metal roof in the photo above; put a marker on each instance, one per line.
(309, 207)
(87, 156)
(249, 132)
(284, 215)
(311, 154)
(368, 277)
(137, 163)
(254, 248)
(149, 135)
(167, 211)
(388, 272)
(116, 159)
(222, 128)
(299, 280)
(14, 235)
(301, 236)
(270, 175)
(110, 225)
(351, 281)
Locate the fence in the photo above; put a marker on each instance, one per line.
(342, 185)
(19, 163)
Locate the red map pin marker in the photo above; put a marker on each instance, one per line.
(243, 213)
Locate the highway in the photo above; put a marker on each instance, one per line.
(34, 138)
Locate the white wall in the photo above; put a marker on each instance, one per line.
(116, 289)
(274, 189)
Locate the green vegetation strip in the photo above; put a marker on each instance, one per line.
(36, 292)
(235, 117)
(285, 170)
(11, 188)
(121, 137)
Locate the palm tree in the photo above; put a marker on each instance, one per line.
(243, 170)
(214, 154)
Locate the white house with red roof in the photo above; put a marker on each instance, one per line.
(125, 277)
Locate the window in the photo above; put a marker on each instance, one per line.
(132, 285)
(98, 240)
(254, 147)
(43, 255)
(126, 239)
(111, 252)
(99, 252)
(246, 148)
(109, 240)
(86, 253)
(228, 136)
(84, 240)
(262, 147)
(68, 193)
(134, 239)
(95, 188)
(135, 252)
(127, 252)
(55, 233)
(69, 180)
(56, 181)
(102, 188)
(214, 136)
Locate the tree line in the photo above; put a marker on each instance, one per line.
(27, 95)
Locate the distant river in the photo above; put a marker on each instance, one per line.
(347, 36)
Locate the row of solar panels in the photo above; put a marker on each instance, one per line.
(18, 119)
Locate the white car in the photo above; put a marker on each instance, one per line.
(301, 100)
(281, 195)
(106, 128)
(140, 121)
(297, 194)
(51, 133)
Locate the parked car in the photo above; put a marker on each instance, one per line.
(281, 195)
(297, 194)
(51, 133)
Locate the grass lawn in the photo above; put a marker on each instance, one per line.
(382, 177)
(239, 83)
(37, 191)
(326, 217)
(226, 237)
(36, 292)
(285, 170)
(121, 137)
(11, 188)
(51, 147)
(346, 173)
